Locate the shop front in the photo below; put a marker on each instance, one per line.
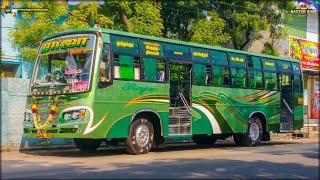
(308, 53)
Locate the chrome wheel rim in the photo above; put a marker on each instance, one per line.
(142, 135)
(254, 131)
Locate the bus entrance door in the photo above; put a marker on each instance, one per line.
(180, 96)
(286, 105)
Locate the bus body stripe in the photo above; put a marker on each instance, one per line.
(214, 124)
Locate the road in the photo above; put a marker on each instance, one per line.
(275, 159)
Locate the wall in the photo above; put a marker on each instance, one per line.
(13, 100)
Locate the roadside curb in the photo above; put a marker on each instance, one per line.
(27, 149)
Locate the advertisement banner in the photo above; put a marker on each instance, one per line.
(315, 103)
(305, 51)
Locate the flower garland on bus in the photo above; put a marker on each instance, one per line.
(37, 120)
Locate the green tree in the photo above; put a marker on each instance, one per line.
(137, 16)
(276, 16)
(210, 31)
(36, 25)
(245, 20)
(180, 17)
(269, 49)
(86, 14)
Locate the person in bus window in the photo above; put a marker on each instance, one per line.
(160, 76)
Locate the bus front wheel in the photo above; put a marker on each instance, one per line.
(140, 137)
(86, 144)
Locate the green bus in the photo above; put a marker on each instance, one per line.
(97, 85)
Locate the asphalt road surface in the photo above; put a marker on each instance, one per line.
(297, 159)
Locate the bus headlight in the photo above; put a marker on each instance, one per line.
(27, 116)
(67, 116)
(74, 115)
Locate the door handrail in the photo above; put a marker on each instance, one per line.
(184, 101)
(285, 102)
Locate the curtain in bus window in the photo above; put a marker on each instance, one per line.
(255, 80)
(126, 67)
(200, 74)
(150, 69)
(238, 77)
(220, 76)
(270, 81)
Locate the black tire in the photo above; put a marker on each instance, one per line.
(204, 139)
(133, 145)
(87, 145)
(247, 139)
(237, 139)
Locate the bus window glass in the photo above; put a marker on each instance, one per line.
(284, 66)
(296, 68)
(154, 69)
(219, 57)
(270, 81)
(66, 62)
(105, 66)
(122, 44)
(254, 62)
(200, 55)
(237, 60)
(126, 67)
(239, 78)
(201, 74)
(297, 84)
(151, 48)
(269, 64)
(255, 79)
(178, 52)
(221, 76)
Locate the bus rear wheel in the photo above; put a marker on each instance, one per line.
(253, 135)
(140, 137)
(86, 144)
(204, 139)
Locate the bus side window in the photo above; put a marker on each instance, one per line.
(255, 80)
(239, 77)
(105, 67)
(221, 76)
(154, 69)
(270, 81)
(297, 84)
(126, 67)
(202, 74)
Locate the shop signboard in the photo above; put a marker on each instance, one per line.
(305, 51)
(315, 104)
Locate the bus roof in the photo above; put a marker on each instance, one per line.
(109, 31)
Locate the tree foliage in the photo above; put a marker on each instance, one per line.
(210, 31)
(36, 25)
(246, 20)
(237, 22)
(179, 18)
(269, 49)
(86, 14)
(137, 16)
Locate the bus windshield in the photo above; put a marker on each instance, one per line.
(65, 61)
